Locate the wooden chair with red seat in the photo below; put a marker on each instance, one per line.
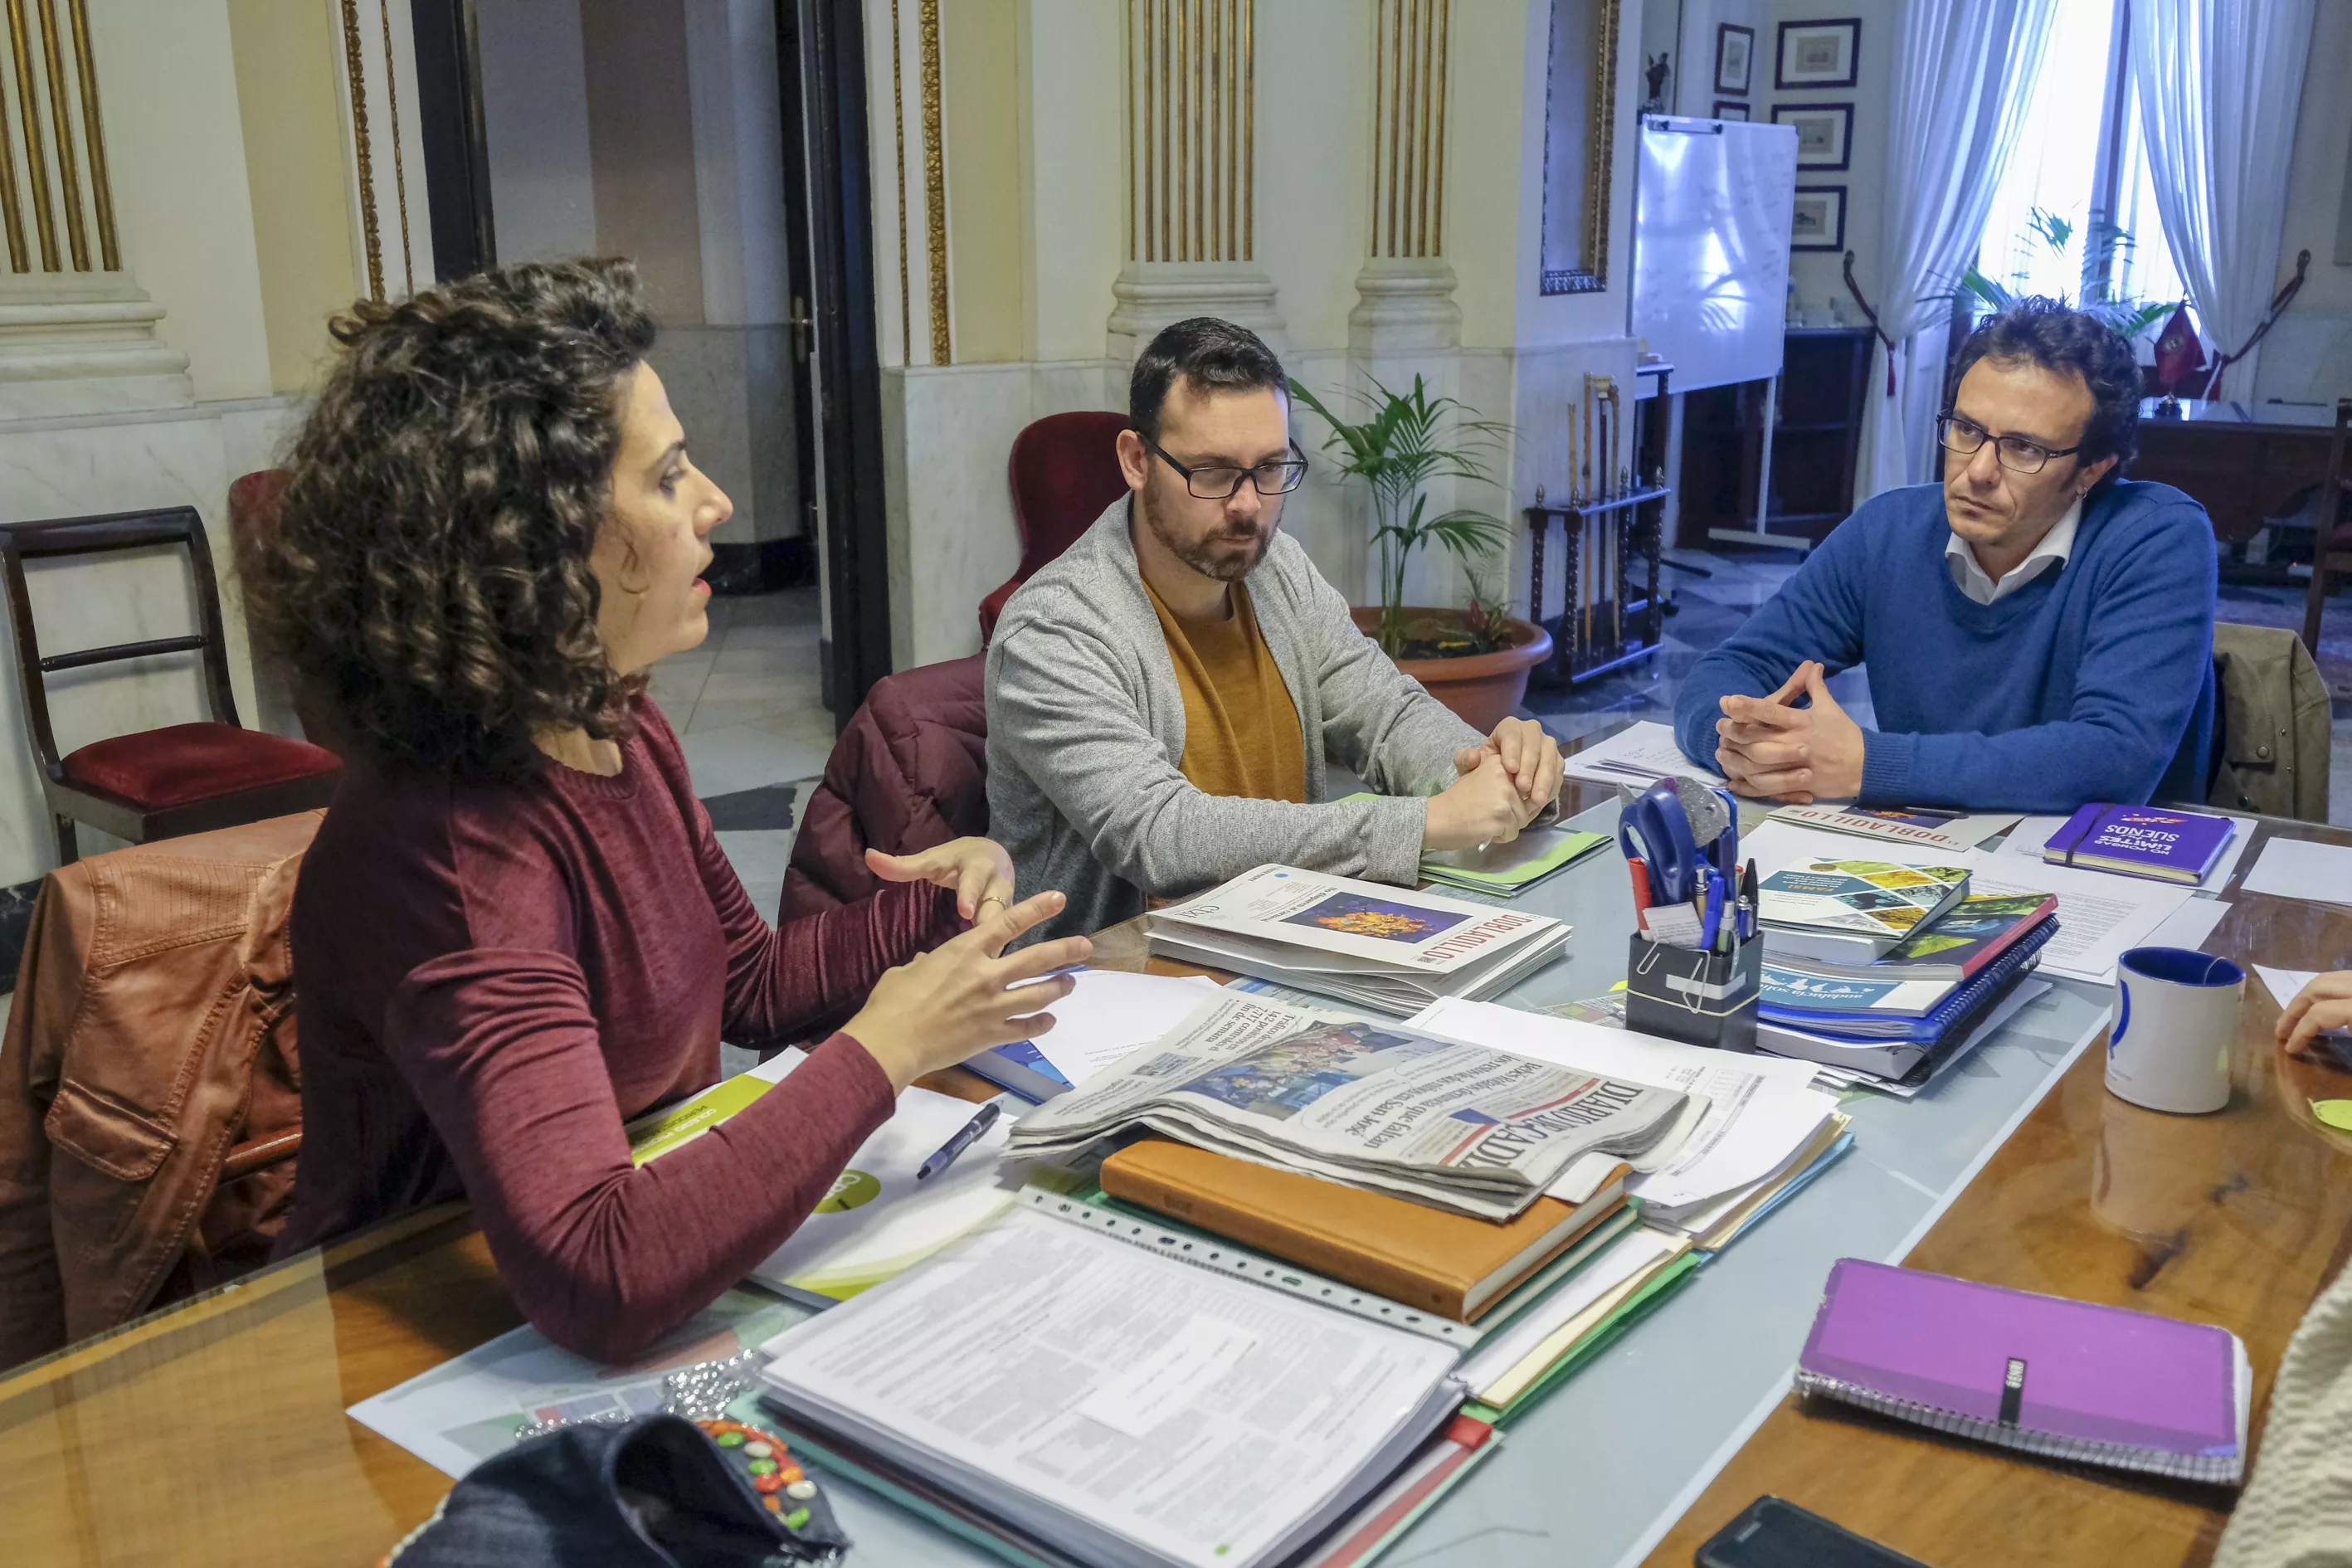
(2331, 527)
(156, 783)
(1064, 471)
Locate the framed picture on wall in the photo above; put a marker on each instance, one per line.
(1820, 223)
(1735, 57)
(1726, 110)
(1824, 133)
(1818, 54)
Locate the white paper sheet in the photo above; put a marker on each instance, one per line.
(1640, 754)
(2031, 834)
(2189, 925)
(2287, 984)
(1759, 1108)
(1113, 1011)
(2300, 868)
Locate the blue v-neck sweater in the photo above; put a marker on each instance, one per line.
(2093, 682)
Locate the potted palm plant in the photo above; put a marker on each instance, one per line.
(1475, 661)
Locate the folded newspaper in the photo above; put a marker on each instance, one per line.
(1460, 1127)
(1376, 946)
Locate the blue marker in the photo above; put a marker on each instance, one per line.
(969, 1134)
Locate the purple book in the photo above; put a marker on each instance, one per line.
(2141, 841)
(2103, 1385)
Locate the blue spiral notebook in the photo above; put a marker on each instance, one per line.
(1925, 1030)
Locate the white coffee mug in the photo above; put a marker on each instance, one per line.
(2176, 1013)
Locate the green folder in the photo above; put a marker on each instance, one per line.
(1635, 1308)
(1505, 868)
(1512, 868)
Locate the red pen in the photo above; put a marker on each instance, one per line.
(1633, 863)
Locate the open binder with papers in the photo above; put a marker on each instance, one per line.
(1188, 1420)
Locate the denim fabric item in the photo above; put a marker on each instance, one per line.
(653, 1493)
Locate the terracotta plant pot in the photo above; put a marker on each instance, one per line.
(1484, 689)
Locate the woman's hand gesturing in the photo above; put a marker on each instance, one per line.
(979, 871)
(959, 999)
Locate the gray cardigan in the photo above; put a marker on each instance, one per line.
(1086, 724)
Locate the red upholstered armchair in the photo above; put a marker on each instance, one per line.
(157, 783)
(1064, 471)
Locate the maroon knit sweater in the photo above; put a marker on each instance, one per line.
(493, 976)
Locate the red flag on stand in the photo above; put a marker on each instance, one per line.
(2178, 355)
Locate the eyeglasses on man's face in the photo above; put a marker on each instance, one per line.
(1223, 481)
(1965, 438)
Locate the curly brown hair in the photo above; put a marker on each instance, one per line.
(426, 576)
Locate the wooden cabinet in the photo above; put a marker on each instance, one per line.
(1816, 438)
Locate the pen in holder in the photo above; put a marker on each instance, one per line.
(1698, 996)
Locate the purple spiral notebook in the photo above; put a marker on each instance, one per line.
(2071, 1380)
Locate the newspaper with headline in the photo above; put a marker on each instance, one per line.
(1461, 1127)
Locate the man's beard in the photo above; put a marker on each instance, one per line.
(1203, 556)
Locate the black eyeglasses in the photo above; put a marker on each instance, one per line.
(1223, 481)
(1965, 438)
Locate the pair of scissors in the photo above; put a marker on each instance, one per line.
(1655, 818)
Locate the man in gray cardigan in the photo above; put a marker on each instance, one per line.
(1175, 603)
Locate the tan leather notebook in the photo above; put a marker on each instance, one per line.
(1449, 1264)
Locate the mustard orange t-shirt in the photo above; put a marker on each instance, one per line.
(1241, 728)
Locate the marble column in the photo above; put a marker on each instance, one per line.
(77, 332)
(1192, 180)
(1405, 290)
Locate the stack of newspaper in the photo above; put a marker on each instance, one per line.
(1460, 1127)
(1376, 946)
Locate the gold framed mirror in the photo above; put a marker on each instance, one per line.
(1579, 145)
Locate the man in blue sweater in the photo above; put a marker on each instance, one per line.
(2038, 631)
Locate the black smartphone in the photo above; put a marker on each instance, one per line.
(1774, 1533)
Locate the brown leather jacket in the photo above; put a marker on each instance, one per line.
(149, 1094)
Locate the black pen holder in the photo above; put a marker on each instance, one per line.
(1700, 997)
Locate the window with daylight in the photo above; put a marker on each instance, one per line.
(2074, 216)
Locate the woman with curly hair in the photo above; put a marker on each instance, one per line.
(515, 930)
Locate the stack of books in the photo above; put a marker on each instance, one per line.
(1901, 1015)
(1376, 946)
(1852, 911)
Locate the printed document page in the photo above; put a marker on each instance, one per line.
(2100, 915)
(1109, 1398)
(1760, 1109)
(1640, 754)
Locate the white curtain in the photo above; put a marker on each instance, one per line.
(2220, 82)
(1964, 74)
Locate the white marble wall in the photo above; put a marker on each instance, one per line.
(731, 388)
(947, 431)
(59, 468)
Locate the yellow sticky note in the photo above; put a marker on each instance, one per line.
(2335, 1113)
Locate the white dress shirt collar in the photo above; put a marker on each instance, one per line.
(1971, 579)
